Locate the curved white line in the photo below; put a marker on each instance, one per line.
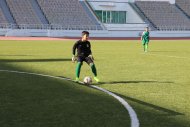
(132, 114)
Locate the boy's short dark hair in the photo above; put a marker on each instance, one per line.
(85, 32)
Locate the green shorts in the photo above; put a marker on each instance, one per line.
(145, 42)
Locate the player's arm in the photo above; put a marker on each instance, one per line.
(74, 52)
(74, 48)
(142, 36)
(91, 56)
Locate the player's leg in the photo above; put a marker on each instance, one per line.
(143, 44)
(146, 47)
(90, 62)
(93, 68)
(78, 68)
(95, 77)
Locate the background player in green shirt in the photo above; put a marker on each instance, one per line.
(84, 53)
(145, 39)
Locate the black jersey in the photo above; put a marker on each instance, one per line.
(83, 48)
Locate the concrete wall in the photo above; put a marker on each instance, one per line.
(125, 27)
(111, 0)
(3, 31)
(132, 16)
(49, 33)
(170, 1)
(93, 33)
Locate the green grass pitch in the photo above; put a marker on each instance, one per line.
(156, 84)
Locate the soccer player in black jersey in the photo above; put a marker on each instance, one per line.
(84, 53)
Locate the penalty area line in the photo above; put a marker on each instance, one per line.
(132, 113)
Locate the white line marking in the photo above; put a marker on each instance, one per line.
(166, 56)
(132, 114)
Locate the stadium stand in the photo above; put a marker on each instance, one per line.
(184, 5)
(67, 14)
(79, 15)
(163, 15)
(23, 13)
(141, 14)
(38, 11)
(6, 12)
(2, 17)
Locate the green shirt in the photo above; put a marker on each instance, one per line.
(145, 37)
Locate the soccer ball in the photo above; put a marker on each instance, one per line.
(87, 80)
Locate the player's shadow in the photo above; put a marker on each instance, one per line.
(128, 82)
(168, 111)
(33, 60)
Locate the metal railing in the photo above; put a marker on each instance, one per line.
(173, 28)
(83, 27)
(50, 26)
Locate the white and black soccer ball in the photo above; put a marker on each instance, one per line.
(87, 80)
